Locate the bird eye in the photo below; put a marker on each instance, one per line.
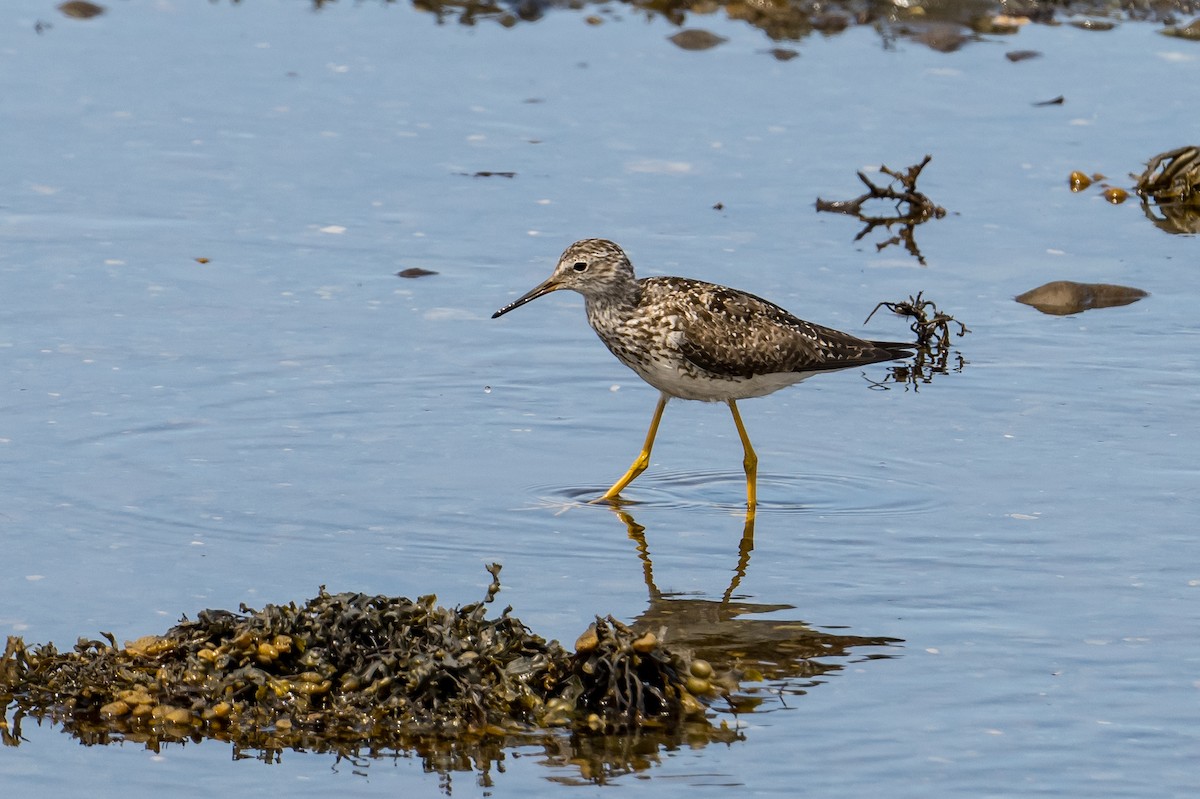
(579, 266)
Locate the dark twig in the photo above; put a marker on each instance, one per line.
(911, 206)
(932, 329)
(926, 327)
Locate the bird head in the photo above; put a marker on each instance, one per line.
(592, 267)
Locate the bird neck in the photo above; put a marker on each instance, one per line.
(618, 301)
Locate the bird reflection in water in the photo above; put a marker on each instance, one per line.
(722, 632)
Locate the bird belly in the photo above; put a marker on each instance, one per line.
(678, 378)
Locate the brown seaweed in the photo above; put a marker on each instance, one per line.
(348, 672)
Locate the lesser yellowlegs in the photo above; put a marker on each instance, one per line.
(698, 341)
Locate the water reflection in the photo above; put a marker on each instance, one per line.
(1171, 186)
(760, 659)
(1173, 217)
(927, 363)
(943, 27)
(910, 208)
(719, 631)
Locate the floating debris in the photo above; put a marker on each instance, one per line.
(1115, 194)
(1170, 190)
(1191, 31)
(931, 326)
(415, 271)
(1022, 55)
(486, 174)
(1056, 101)
(932, 329)
(695, 39)
(80, 9)
(1062, 297)
(1173, 176)
(917, 208)
(1093, 24)
(1079, 181)
(349, 671)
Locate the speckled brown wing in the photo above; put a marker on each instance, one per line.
(736, 334)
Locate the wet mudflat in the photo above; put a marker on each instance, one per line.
(218, 389)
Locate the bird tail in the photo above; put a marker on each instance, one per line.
(897, 349)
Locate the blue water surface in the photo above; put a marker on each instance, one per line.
(216, 389)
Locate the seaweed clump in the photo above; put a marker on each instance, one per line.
(1173, 176)
(932, 328)
(349, 671)
(910, 207)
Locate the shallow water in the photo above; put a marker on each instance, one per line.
(180, 435)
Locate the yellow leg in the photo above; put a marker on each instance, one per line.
(642, 460)
(745, 547)
(750, 462)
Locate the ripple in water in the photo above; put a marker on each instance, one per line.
(821, 494)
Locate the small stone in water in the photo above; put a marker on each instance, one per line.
(114, 709)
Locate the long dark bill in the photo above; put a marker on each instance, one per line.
(544, 288)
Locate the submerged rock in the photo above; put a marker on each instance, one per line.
(1062, 297)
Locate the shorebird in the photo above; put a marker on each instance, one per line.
(698, 341)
